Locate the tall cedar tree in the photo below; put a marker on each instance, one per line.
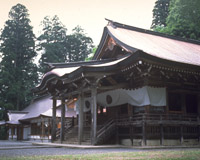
(184, 19)
(160, 13)
(56, 46)
(18, 72)
(79, 46)
(52, 42)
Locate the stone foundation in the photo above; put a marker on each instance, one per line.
(166, 142)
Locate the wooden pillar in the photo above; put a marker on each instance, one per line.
(198, 109)
(94, 116)
(161, 131)
(80, 119)
(117, 135)
(12, 131)
(183, 105)
(198, 120)
(53, 129)
(131, 134)
(42, 125)
(161, 135)
(143, 131)
(199, 134)
(62, 129)
(181, 134)
(48, 128)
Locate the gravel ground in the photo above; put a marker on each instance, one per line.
(14, 143)
(7, 152)
(57, 151)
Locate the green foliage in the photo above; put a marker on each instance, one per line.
(79, 46)
(3, 133)
(184, 19)
(160, 13)
(52, 42)
(90, 56)
(18, 72)
(56, 46)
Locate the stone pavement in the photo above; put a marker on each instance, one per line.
(27, 148)
(110, 146)
(6, 145)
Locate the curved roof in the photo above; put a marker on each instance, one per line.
(39, 107)
(36, 108)
(153, 43)
(140, 43)
(15, 116)
(61, 72)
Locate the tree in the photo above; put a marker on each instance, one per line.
(184, 19)
(79, 46)
(56, 46)
(18, 72)
(91, 55)
(160, 13)
(52, 42)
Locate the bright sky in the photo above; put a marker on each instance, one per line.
(89, 14)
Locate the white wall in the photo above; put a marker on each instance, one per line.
(27, 132)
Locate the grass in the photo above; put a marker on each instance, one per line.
(193, 154)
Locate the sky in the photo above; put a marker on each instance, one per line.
(89, 14)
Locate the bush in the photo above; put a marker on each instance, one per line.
(3, 133)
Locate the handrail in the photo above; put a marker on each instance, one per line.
(67, 128)
(107, 124)
(103, 132)
(105, 129)
(159, 118)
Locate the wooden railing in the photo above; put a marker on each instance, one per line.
(147, 126)
(159, 119)
(68, 126)
(105, 131)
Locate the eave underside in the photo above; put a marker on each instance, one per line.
(132, 72)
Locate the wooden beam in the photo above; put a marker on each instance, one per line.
(53, 131)
(12, 130)
(62, 131)
(198, 119)
(94, 116)
(42, 123)
(48, 128)
(80, 119)
(181, 134)
(161, 131)
(87, 89)
(112, 81)
(143, 131)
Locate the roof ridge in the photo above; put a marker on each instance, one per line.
(13, 111)
(79, 63)
(120, 25)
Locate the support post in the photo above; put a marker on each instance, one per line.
(181, 134)
(12, 131)
(131, 134)
(42, 123)
(53, 130)
(62, 131)
(48, 128)
(94, 116)
(161, 131)
(117, 135)
(143, 131)
(198, 120)
(80, 119)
